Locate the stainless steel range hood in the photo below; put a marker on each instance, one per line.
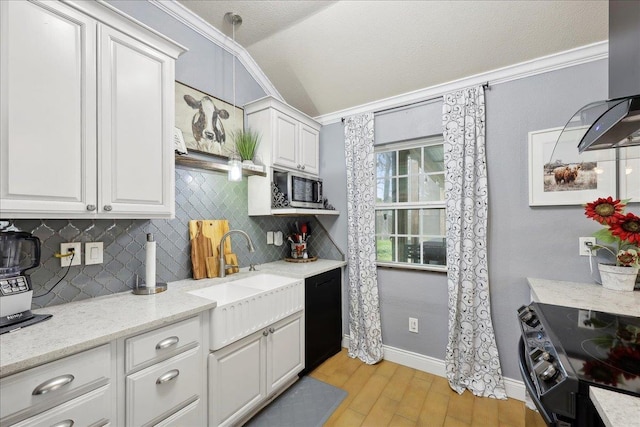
(613, 123)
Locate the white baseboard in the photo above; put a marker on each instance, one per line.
(515, 388)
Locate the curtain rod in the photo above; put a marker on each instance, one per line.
(485, 85)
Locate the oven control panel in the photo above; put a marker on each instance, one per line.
(542, 357)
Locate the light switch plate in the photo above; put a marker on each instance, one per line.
(93, 253)
(269, 237)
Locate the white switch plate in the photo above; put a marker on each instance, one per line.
(269, 237)
(93, 253)
(584, 249)
(413, 325)
(77, 257)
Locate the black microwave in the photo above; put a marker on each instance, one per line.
(302, 191)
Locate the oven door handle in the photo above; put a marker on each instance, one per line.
(531, 388)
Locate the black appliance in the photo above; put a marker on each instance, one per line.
(563, 351)
(323, 318)
(19, 252)
(302, 191)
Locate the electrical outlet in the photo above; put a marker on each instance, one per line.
(65, 248)
(584, 250)
(413, 325)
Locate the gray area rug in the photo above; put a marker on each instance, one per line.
(307, 403)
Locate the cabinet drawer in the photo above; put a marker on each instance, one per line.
(157, 391)
(91, 409)
(190, 415)
(42, 387)
(161, 342)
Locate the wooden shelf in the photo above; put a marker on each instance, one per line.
(213, 166)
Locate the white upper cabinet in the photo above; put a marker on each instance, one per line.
(290, 139)
(86, 115)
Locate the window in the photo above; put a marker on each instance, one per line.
(410, 207)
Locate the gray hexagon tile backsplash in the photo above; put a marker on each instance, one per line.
(199, 195)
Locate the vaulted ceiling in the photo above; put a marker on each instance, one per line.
(326, 56)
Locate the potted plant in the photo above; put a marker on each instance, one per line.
(623, 231)
(246, 144)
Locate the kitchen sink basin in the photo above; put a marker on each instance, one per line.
(225, 293)
(248, 304)
(264, 281)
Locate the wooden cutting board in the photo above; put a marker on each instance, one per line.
(201, 250)
(213, 229)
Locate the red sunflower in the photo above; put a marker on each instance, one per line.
(604, 210)
(626, 227)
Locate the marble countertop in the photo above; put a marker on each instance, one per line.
(585, 295)
(616, 409)
(82, 325)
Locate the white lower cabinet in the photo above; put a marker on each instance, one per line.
(74, 390)
(245, 374)
(158, 391)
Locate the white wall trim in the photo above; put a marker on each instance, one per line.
(202, 27)
(544, 64)
(515, 388)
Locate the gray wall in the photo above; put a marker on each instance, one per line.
(523, 241)
(199, 195)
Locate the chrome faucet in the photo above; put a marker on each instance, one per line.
(222, 263)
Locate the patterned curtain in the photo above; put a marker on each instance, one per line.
(472, 355)
(364, 310)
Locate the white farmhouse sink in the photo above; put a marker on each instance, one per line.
(225, 293)
(248, 304)
(264, 281)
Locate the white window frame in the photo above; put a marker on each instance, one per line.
(399, 206)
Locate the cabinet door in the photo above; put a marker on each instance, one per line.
(285, 357)
(236, 379)
(136, 113)
(309, 149)
(285, 141)
(47, 109)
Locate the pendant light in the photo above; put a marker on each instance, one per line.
(235, 165)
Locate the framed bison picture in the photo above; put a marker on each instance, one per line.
(206, 122)
(559, 175)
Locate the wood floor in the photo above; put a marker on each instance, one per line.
(388, 394)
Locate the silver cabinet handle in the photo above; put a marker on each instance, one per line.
(265, 333)
(52, 384)
(107, 208)
(171, 375)
(272, 329)
(91, 208)
(298, 166)
(303, 166)
(167, 342)
(65, 423)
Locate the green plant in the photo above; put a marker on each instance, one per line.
(246, 143)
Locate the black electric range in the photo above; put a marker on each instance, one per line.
(566, 350)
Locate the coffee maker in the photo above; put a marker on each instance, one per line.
(19, 252)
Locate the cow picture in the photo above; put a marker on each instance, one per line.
(206, 122)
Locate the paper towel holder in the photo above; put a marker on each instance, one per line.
(141, 289)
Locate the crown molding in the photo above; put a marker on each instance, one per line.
(544, 64)
(202, 27)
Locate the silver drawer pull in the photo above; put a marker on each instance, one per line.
(52, 384)
(65, 423)
(272, 329)
(171, 375)
(167, 342)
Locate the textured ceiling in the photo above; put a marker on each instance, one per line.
(327, 56)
